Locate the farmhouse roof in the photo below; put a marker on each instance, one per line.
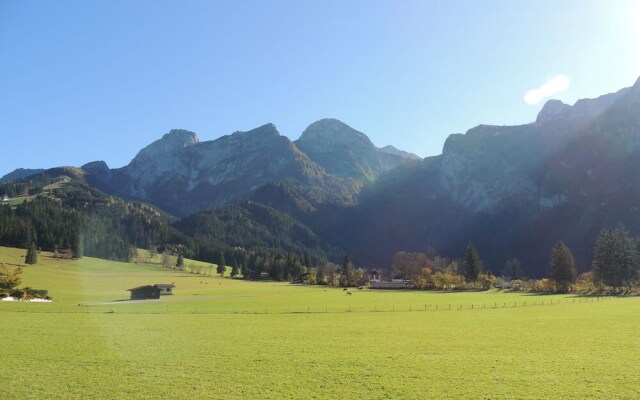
(138, 288)
(164, 285)
(157, 285)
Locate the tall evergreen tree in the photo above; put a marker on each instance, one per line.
(472, 266)
(245, 271)
(513, 269)
(221, 265)
(320, 272)
(562, 265)
(32, 254)
(234, 268)
(180, 261)
(616, 261)
(346, 272)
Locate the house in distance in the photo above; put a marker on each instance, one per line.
(146, 292)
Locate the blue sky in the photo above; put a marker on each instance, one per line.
(98, 80)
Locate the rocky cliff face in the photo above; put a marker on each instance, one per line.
(405, 154)
(347, 153)
(514, 190)
(182, 175)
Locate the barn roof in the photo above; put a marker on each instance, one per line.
(138, 288)
(157, 285)
(164, 285)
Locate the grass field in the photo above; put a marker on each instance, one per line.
(218, 338)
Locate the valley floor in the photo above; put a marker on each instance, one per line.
(265, 340)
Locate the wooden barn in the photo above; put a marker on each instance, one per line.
(145, 292)
(151, 291)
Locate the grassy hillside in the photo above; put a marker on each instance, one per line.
(218, 338)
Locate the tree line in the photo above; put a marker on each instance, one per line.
(616, 267)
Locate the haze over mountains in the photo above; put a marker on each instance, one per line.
(513, 190)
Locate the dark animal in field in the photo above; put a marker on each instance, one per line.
(349, 293)
(344, 290)
(360, 287)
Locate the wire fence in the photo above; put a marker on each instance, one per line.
(144, 307)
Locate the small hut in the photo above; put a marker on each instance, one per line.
(151, 291)
(145, 292)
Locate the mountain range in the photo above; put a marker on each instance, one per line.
(512, 190)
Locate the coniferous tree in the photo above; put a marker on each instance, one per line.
(245, 271)
(320, 272)
(345, 272)
(180, 261)
(307, 259)
(234, 268)
(32, 255)
(563, 268)
(616, 261)
(513, 269)
(221, 265)
(472, 266)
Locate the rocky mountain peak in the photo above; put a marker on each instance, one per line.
(552, 109)
(329, 133)
(95, 165)
(180, 138)
(265, 131)
(170, 142)
(346, 152)
(586, 109)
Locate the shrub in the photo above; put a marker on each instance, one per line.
(517, 285)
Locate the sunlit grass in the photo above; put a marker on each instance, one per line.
(198, 344)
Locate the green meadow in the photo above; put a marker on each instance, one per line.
(218, 338)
